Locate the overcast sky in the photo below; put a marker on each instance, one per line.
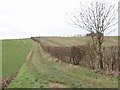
(26, 18)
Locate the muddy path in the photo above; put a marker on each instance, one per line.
(5, 81)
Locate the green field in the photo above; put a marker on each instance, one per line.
(38, 69)
(14, 53)
(71, 41)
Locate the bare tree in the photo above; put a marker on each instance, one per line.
(95, 17)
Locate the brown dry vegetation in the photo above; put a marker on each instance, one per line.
(7, 80)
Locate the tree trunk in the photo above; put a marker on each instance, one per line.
(101, 62)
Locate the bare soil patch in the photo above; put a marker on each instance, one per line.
(29, 55)
(7, 80)
(57, 85)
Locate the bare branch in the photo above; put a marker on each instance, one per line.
(96, 18)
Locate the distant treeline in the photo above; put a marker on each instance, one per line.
(59, 36)
(45, 36)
